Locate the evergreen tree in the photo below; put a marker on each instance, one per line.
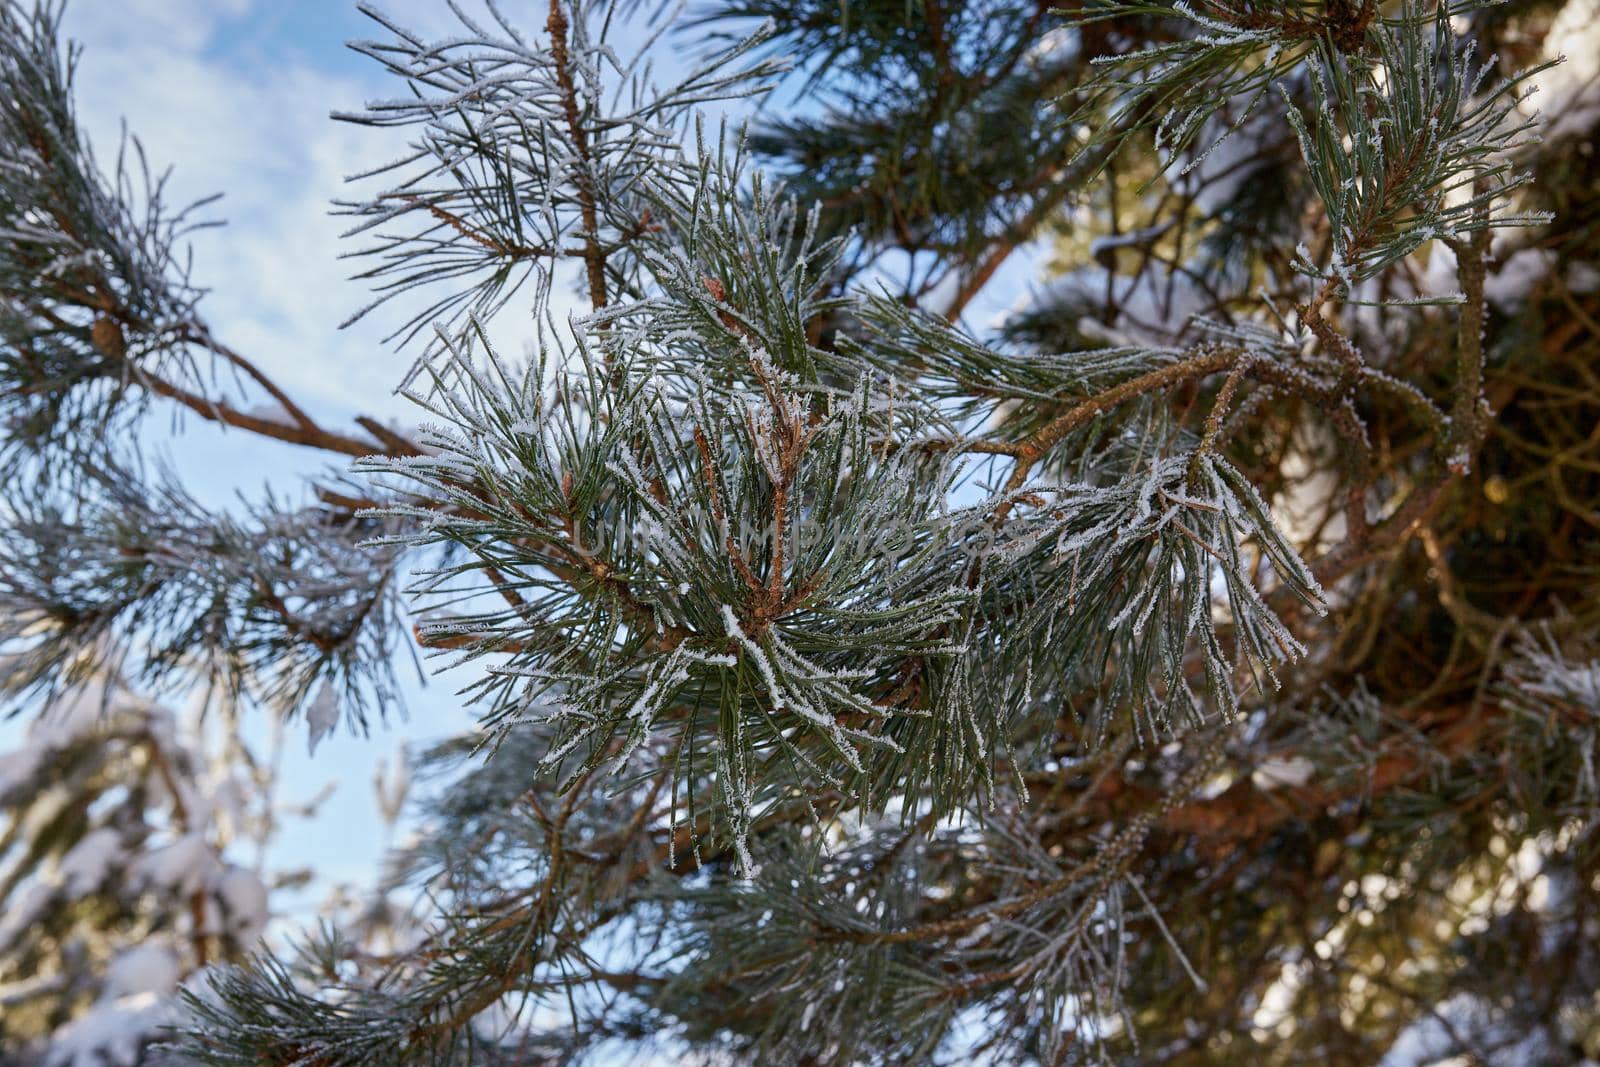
(1195, 667)
(120, 875)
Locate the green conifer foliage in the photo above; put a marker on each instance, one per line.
(1193, 666)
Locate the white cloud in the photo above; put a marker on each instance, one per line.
(198, 88)
(177, 24)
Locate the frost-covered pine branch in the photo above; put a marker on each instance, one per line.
(855, 686)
